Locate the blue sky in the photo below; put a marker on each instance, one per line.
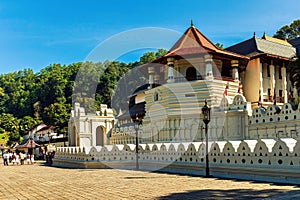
(37, 33)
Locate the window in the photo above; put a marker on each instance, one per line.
(268, 70)
(155, 96)
(280, 93)
(279, 73)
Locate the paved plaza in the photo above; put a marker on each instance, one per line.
(43, 182)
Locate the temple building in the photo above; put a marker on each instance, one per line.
(266, 71)
(254, 127)
(244, 85)
(245, 76)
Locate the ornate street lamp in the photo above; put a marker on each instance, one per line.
(206, 120)
(137, 120)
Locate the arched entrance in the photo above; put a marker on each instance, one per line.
(100, 136)
(191, 74)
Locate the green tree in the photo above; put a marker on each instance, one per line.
(26, 123)
(150, 56)
(289, 32)
(10, 124)
(219, 45)
(57, 114)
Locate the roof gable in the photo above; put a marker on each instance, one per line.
(256, 45)
(193, 38)
(194, 42)
(275, 48)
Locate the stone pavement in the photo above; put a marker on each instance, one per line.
(43, 182)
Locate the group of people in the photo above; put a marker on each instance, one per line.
(17, 158)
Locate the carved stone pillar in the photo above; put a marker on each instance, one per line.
(170, 70)
(235, 69)
(208, 66)
(284, 83)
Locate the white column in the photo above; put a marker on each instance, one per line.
(235, 69)
(208, 66)
(151, 78)
(284, 83)
(272, 78)
(151, 81)
(261, 82)
(170, 70)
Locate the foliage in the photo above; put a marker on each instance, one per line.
(219, 45)
(28, 98)
(289, 32)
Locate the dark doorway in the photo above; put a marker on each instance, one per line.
(191, 74)
(99, 136)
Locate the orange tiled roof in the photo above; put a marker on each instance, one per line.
(193, 41)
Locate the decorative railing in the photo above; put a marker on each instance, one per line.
(199, 77)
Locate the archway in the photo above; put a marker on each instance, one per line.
(100, 136)
(191, 74)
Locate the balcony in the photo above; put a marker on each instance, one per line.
(199, 77)
(270, 98)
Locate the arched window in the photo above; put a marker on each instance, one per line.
(191, 74)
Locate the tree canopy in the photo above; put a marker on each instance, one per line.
(289, 32)
(28, 98)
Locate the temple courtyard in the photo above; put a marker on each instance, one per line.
(39, 181)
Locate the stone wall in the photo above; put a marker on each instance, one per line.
(265, 159)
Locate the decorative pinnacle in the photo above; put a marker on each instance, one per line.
(192, 23)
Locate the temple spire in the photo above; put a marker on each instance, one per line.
(192, 23)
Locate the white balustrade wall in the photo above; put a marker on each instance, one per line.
(265, 159)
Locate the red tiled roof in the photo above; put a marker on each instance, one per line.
(193, 42)
(29, 144)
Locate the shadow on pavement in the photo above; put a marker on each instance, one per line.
(234, 194)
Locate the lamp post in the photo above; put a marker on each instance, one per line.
(48, 137)
(31, 152)
(137, 122)
(206, 120)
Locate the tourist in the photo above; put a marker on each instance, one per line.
(10, 156)
(5, 158)
(22, 157)
(13, 158)
(17, 159)
(32, 159)
(28, 158)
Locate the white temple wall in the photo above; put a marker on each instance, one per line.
(265, 159)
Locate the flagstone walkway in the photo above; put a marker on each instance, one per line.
(43, 182)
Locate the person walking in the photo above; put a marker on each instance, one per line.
(32, 159)
(17, 159)
(22, 157)
(28, 158)
(5, 158)
(13, 158)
